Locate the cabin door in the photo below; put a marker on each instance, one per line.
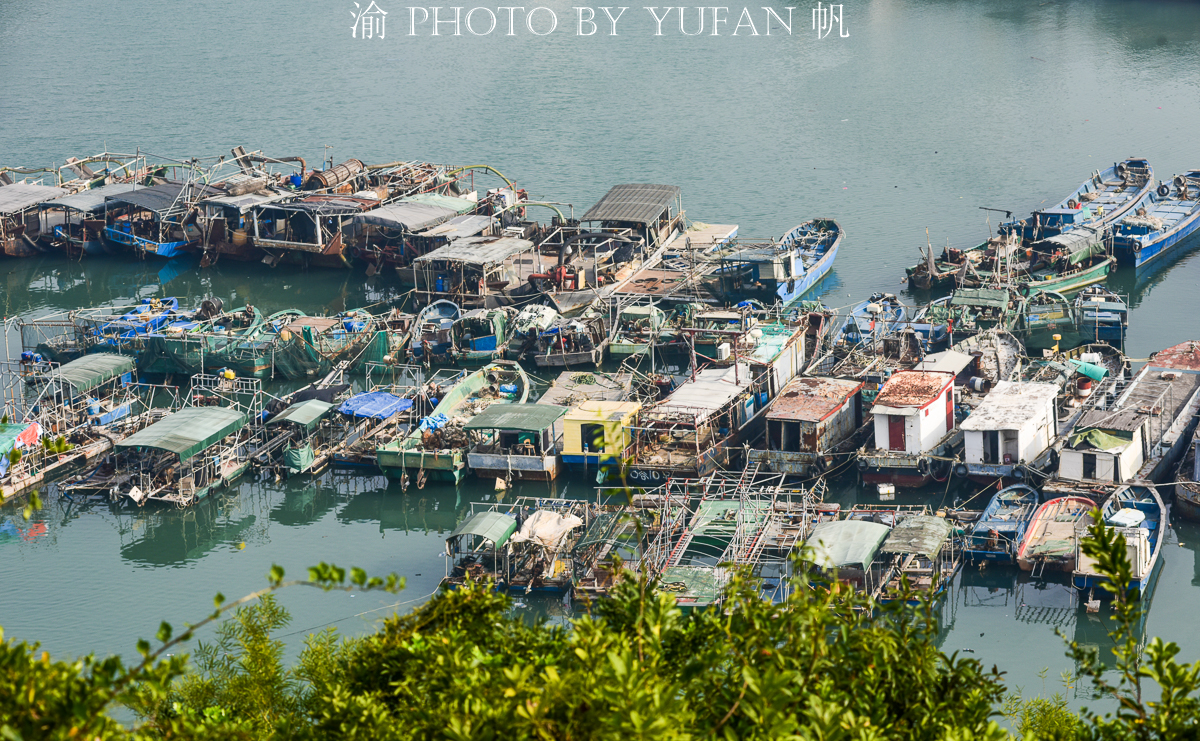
(896, 432)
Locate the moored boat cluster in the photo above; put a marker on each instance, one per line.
(688, 364)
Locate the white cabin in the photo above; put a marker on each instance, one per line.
(914, 411)
(1015, 422)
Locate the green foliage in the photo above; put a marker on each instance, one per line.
(1043, 718)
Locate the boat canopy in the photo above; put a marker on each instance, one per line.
(992, 297)
(812, 399)
(247, 201)
(188, 431)
(329, 205)
(457, 205)
(712, 389)
(86, 373)
(1100, 439)
(459, 227)
(846, 543)
(306, 414)
(1091, 370)
(478, 250)
(406, 215)
(493, 526)
(20, 196)
(88, 201)
(921, 535)
(952, 361)
(1079, 244)
(641, 203)
(375, 405)
(547, 529)
(522, 417)
(167, 198)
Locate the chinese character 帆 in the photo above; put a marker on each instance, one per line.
(370, 21)
(824, 18)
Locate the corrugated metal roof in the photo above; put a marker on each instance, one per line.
(331, 205)
(923, 535)
(460, 226)
(641, 203)
(165, 198)
(524, 417)
(479, 250)
(992, 297)
(86, 373)
(247, 201)
(89, 201)
(457, 205)
(808, 399)
(188, 431)
(603, 411)
(846, 543)
(20, 196)
(304, 413)
(1010, 405)
(912, 388)
(712, 390)
(492, 526)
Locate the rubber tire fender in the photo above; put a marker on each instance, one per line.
(1164, 190)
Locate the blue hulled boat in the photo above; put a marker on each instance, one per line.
(879, 315)
(151, 315)
(998, 531)
(1161, 221)
(816, 243)
(1136, 511)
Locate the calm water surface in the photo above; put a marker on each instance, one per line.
(927, 111)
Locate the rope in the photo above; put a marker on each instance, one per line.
(358, 614)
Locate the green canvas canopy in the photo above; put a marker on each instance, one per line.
(188, 431)
(304, 413)
(923, 535)
(1100, 439)
(992, 297)
(846, 543)
(522, 417)
(1092, 371)
(492, 526)
(88, 372)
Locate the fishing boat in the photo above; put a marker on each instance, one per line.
(777, 271)
(526, 328)
(931, 323)
(1050, 539)
(310, 345)
(1099, 202)
(124, 333)
(1103, 316)
(476, 549)
(879, 315)
(521, 442)
(966, 313)
(473, 272)
(541, 561)
(572, 343)
(179, 460)
(19, 224)
(848, 551)
(916, 434)
(1187, 483)
(73, 224)
(253, 355)
(1162, 221)
(438, 446)
(199, 341)
(431, 340)
(638, 328)
(1048, 321)
(480, 336)
(1137, 512)
(809, 423)
(926, 555)
(998, 532)
(155, 220)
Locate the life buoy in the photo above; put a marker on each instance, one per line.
(961, 470)
(1164, 190)
(923, 466)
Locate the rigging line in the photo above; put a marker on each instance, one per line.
(359, 614)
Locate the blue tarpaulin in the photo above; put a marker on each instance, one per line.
(435, 422)
(375, 404)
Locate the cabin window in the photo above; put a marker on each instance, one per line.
(593, 437)
(896, 432)
(1089, 465)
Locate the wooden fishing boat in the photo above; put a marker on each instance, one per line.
(779, 271)
(1050, 539)
(1161, 222)
(1048, 321)
(571, 343)
(638, 328)
(998, 532)
(253, 355)
(1100, 201)
(522, 442)
(1103, 316)
(480, 336)
(526, 328)
(431, 340)
(476, 549)
(154, 220)
(926, 554)
(437, 447)
(1137, 512)
(74, 223)
(198, 341)
(879, 315)
(124, 333)
(19, 224)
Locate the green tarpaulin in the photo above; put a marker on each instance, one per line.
(992, 297)
(188, 431)
(523, 417)
(1094, 372)
(1099, 439)
(9, 434)
(298, 459)
(88, 372)
(922, 535)
(492, 526)
(304, 413)
(846, 543)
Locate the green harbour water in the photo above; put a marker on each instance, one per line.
(928, 110)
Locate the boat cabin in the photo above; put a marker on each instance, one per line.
(1015, 423)
(87, 391)
(74, 223)
(913, 411)
(415, 225)
(156, 220)
(228, 221)
(924, 553)
(472, 272)
(848, 551)
(653, 212)
(517, 441)
(596, 435)
(306, 432)
(476, 550)
(315, 228)
(20, 225)
(806, 421)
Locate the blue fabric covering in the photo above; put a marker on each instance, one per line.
(375, 404)
(432, 423)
